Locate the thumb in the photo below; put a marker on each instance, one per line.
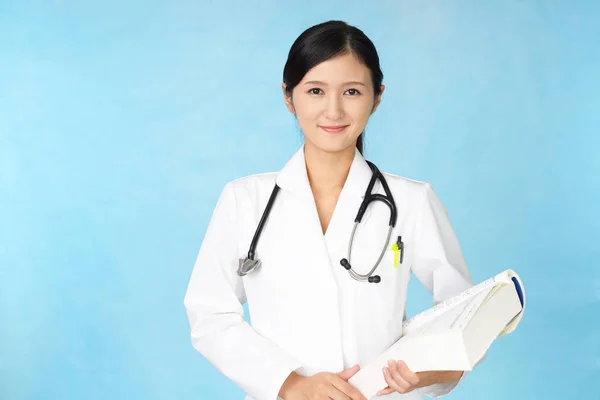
(349, 373)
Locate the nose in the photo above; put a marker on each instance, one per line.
(335, 109)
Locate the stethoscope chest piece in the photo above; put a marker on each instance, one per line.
(247, 265)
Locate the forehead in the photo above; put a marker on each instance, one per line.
(340, 69)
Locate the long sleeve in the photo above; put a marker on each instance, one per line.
(438, 262)
(213, 303)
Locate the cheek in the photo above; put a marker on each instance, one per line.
(307, 113)
(360, 112)
(309, 128)
(309, 110)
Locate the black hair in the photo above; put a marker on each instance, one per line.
(327, 40)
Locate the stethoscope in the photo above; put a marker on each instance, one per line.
(249, 263)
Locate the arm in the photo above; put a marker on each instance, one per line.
(213, 303)
(439, 265)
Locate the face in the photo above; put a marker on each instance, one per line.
(333, 103)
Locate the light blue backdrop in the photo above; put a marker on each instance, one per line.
(120, 122)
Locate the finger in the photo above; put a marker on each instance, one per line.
(407, 374)
(393, 385)
(385, 391)
(333, 393)
(398, 378)
(349, 373)
(349, 390)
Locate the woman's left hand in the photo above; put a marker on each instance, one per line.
(402, 380)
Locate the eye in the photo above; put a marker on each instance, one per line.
(353, 92)
(315, 91)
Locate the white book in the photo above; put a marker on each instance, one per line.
(455, 334)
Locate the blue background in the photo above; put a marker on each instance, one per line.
(120, 122)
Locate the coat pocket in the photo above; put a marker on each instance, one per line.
(386, 299)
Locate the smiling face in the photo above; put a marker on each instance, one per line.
(333, 103)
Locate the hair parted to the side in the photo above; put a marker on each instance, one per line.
(327, 40)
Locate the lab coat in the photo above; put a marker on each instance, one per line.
(307, 314)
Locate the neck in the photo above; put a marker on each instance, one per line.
(327, 172)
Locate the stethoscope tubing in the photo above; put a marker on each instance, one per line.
(249, 263)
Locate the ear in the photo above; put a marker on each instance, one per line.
(378, 99)
(288, 99)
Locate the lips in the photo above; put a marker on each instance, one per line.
(333, 129)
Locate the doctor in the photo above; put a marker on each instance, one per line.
(315, 322)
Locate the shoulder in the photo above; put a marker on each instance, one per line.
(418, 194)
(253, 183)
(406, 185)
(415, 194)
(252, 189)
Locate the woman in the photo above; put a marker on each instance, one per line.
(313, 325)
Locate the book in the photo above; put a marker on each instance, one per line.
(455, 334)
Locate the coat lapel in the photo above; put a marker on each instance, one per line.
(302, 213)
(294, 178)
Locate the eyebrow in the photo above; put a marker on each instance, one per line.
(324, 84)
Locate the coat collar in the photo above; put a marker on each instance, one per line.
(294, 176)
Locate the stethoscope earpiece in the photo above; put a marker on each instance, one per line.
(371, 279)
(345, 263)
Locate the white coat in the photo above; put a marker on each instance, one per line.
(307, 314)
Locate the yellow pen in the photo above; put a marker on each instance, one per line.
(395, 248)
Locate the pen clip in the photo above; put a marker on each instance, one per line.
(400, 245)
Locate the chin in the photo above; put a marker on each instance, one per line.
(329, 146)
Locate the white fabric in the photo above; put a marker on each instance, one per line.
(307, 313)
